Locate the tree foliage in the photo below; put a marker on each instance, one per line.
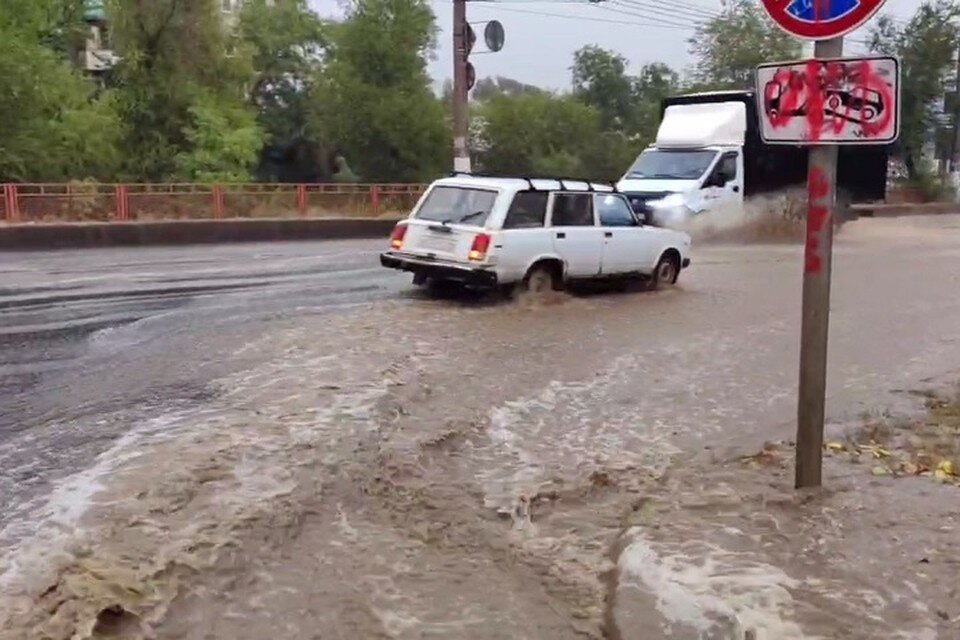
(926, 46)
(178, 61)
(727, 48)
(600, 80)
(55, 126)
(287, 42)
(280, 94)
(373, 99)
(223, 142)
(537, 133)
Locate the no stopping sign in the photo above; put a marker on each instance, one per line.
(820, 19)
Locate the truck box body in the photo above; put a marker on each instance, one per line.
(861, 169)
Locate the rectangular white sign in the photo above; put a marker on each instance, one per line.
(836, 101)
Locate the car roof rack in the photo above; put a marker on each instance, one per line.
(561, 180)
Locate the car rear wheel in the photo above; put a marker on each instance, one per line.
(666, 273)
(539, 282)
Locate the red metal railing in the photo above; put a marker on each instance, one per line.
(81, 201)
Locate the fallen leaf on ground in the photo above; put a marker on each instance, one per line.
(946, 467)
(880, 471)
(836, 446)
(879, 452)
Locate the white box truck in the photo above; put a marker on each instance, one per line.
(708, 154)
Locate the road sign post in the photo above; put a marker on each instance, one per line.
(815, 319)
(822, 103)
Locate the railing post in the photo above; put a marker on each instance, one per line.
(375, 199)
(217, 201)
(11, 200)
(123, 202)
(302, 199)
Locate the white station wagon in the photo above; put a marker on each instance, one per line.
(537, 233)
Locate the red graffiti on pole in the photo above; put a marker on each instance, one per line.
(818, 216)
(831, 96)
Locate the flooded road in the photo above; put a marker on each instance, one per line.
(284, 440)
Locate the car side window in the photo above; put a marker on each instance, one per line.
(527, 211)
(572, 210)
(613, 210)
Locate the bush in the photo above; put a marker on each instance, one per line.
(932, 187)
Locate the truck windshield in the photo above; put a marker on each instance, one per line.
(457, 204)
(671, 165)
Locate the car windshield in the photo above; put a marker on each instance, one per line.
(457, 204)
(671, 165)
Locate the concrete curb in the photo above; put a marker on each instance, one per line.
(906, 209)
(172, 232)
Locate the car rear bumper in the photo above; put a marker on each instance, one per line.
(439, 270)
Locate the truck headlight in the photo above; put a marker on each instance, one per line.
(671, 211)
(672, 200)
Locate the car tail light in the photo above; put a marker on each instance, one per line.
(478, 250)
(396, 238)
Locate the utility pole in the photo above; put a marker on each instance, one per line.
(461, 154)
(814, 330)
(955, 155)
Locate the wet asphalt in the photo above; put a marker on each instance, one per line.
(93, 340)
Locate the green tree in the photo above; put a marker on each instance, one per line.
(373, 101)
(600, 80)
(55, 24)
(223, 143)
(656, 82)
(537, 133)
(288, 43)
(926, 46)
(176, 56)
(55, 126)
(728, 48)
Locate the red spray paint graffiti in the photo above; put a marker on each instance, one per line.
(818, 216)
(831, 97)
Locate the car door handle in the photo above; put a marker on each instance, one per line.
(561, 235)
(736, 189)
(608, 234)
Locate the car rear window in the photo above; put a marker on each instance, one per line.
(527, 211)
(572, 210)
(457, 204)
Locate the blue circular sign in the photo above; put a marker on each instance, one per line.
(820, 19)
(820, 11)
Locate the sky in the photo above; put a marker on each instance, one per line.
(542, 35)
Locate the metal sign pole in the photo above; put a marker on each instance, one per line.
(821, 193)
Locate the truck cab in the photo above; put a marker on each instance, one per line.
(695, 165)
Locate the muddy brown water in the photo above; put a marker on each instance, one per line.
(417, 468)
